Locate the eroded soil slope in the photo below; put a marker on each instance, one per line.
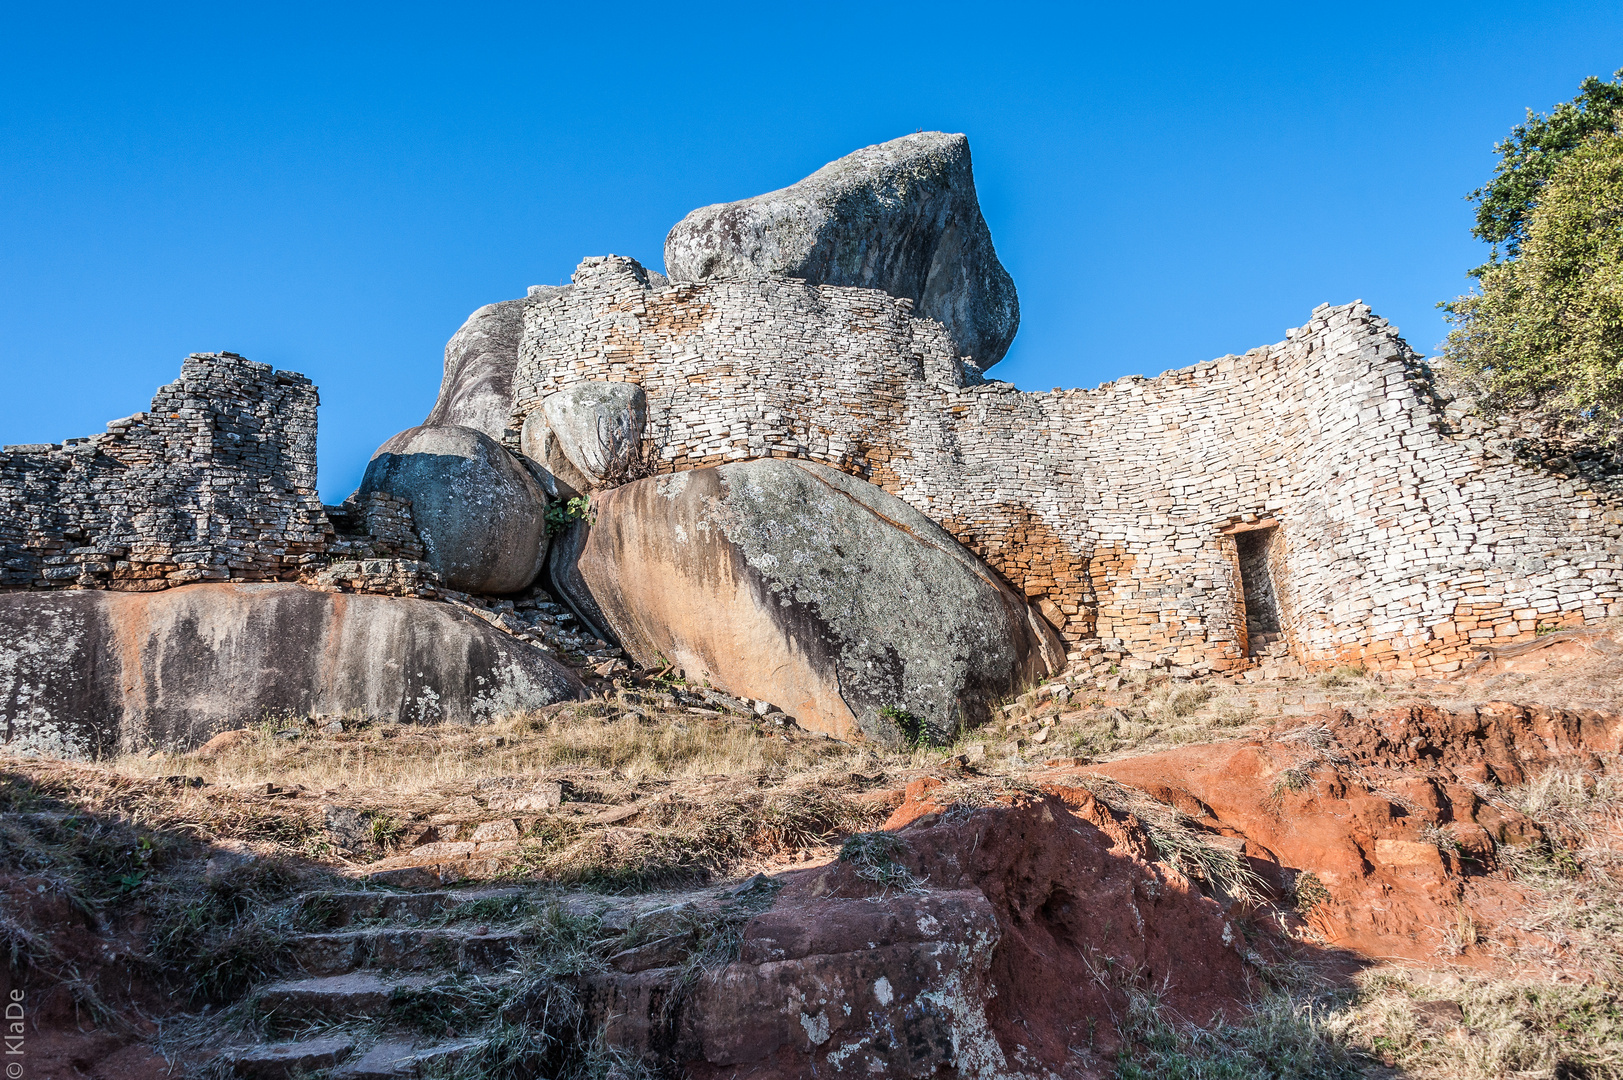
(1121, 876)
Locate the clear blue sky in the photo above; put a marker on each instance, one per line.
(333, 188)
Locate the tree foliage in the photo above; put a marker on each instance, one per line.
(1529, 158)
(1544, 332)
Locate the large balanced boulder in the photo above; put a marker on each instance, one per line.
(86, 674)
(479, 512)
(793, 583)
(901, 216)
(476, 390)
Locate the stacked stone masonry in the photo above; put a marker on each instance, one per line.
(1402, 532)
(216, 482)
(1405, 534)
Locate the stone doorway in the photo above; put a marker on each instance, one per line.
(1264, 629)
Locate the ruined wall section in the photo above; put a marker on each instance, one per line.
(1429, 538)
(1403, 537)
(216, 482)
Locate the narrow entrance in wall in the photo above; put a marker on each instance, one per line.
(1263, 629)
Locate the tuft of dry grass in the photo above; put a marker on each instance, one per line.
(680, 839)
(1180, 843)
(1572, 881)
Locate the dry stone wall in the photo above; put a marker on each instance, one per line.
(1401, 531)
(1404, 535)
(216, 482)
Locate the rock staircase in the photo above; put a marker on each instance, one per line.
(336, 1012)
(398, 984)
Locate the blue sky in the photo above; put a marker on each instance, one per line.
(333, 188)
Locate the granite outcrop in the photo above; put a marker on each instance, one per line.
(480, 514)
(92, 673)
(794, 583)
(901, 217)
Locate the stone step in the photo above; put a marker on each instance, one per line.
(405, 948)
(335, 997)
(434, 871)
(404, 1057)
(339, 909)
(277, 1061)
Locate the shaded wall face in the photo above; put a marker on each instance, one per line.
(1400, 539)
(1253, 551)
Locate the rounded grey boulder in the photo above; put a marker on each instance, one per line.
(477, 388)
(479, 512)
(598, 427)
(902, 217)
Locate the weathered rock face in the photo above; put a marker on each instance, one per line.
(87, 674)
(480, 513)
(477, 388)
(901, 216)
(982, 972)
(793, 583)
(597, 426)
(557, 475)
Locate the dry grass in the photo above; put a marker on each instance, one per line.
(1180, 843)
(681, 839)
(634, 743)
(1502, 1028)
(1573, 920)
(630, 743)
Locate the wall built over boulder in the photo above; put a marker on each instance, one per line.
(216, 482)
(1405, 536)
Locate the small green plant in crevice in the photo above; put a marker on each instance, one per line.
(564, 513)
(875, 857)
(1440, 837)
(914, 732)
(384, 830)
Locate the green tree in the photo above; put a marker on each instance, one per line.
(1543, 335)
(1528, 159)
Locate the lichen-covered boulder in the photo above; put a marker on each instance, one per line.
(476, 390)
(901, 216)
(479, 512)
(597, 426)
(791, 582)
(88, 674)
